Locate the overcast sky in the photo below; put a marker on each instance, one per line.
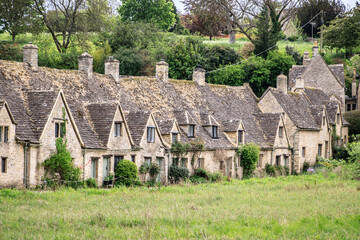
(348, 3)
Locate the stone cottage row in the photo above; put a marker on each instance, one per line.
(111, 117)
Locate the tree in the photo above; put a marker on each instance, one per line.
(178, 26)
(249, 154)
(344, 33)
(243, 14)
(15, 16)
(60, 17)
(310, 8)
(158, 12)
(267, 30)
(206, 17)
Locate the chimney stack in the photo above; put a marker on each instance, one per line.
(112, 68)
(306, 58)
(315, 49)
(353, 84)
(30, 56)
(299, 83)
(86, 64)
(162, 71)
(281, 83)
(199, 76)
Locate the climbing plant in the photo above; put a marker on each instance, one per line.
(249, 154)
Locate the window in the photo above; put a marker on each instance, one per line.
(59, 130)
(133, 158)
(184, 162)
(117, 160)
(191, 131)
(118, 129)
(348, 107)
(281, 132)
(323, 121)
(303, 152)
(4, 134)
(261, 157)
(286, 161)
(278, 160)
(151, 134)
(94, 166)
(147, 160)
(241, 136)
(175, 161)
(319, 149)
(326, 149)
(338, 118)
(200, 163)
(354, 106)
(174, 137)
(106, 167)
(214, 132)
(3, 165)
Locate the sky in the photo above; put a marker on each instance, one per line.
(348, 3)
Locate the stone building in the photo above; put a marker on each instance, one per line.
(110, 118)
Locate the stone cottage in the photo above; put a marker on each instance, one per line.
(110, 118)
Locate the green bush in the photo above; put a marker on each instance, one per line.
(197, 179)
(287, 170)
(177, 173)
(270, 170)
(279, 170)
(154, 170)
(249, 154)
(215, 177)
(353, 117)
(9, 51)
(144, 168)
(354, 151)
(306, 166)
(295, 54)
(340, 153)
(91, 183)
(199, 172)
(126, 173)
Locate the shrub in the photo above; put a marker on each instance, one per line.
(306, 166)
(353, 117)
(249, 154)
(279, 170)
(154, 170)
(197, 179)
(295, 54)
(270, 170)
(247, 50)
(199, 172)
(287, 170)
(177, 173)
(340, 153)
(126, 173)
(215, 177)
(91, 183)
(144, 168)
(354, 151)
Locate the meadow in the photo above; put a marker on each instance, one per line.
(295, 207)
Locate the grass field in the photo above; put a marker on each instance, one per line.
(303, 207)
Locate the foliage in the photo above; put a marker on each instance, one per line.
(310, 8)
(215, 177)
(340, 153)
(158, 12)
(353, 117)
(247, 50)
(306, 166)
(180, 149)
(154, 170)
(270, 170)
(126, 173)
(268, 30)
(249, 154)
(216, 56)
(177, 173)
(287, 170)
(298, 58)
(144, 168)
(344, 33)
(354, 151)
(91, 183)
(10, 51)
(199, 172)
(198, 180)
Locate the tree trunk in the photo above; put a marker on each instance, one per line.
(232, 37)
(13, 36)
(210, 37)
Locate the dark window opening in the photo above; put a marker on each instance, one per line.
(319, 149)
(174, 137)
(117, 160)
(241, 136)
(151, 134)
(281, 132)
(118, 129)
(278, 160)
(3, 165)
(214, 132)
(191, 131)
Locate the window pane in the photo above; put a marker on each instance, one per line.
(174, 137)
(3, 165)
(240, 136)
(1, 133)
(152, 134)
(191, 131)
(62, 129)
(56, 130)
(117, 160)
(6, 134)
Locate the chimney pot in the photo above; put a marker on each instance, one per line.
(281, 83)
(30, 56)
(162, 71)
(199, 76)
(306, 58)
(112, 68)
(299, 83)
(86, 64)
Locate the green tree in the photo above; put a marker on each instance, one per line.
(126, 173)
(158, 12)
(344, 33)
(249, 154)
(16, 16)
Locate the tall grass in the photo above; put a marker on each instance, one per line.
(305, 207)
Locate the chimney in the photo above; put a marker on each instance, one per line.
(199, 76)
(30, 56)
(299, 82)
(112, 68)
(315, 49)
(86, 64)
(353, 84)
(306, 58)
(281, 83)
(162, 71)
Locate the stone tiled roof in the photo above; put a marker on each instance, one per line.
(137, 121)
(102, 116)
(268, 123)
(2, 103)
(231, 125)
(184, 117)
(165, 125)
(331, 109)
(317, 114)
(207, 120)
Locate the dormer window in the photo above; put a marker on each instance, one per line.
(4, 134)
(174, 137)
(338, 118)
(214, 132)
(281, 132)
(323, 121)
(59, 130)
(191, 131)
(118, 129)
(150, 134)
(241, 136)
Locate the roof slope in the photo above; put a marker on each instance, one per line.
(268, 123)
(137, 123)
